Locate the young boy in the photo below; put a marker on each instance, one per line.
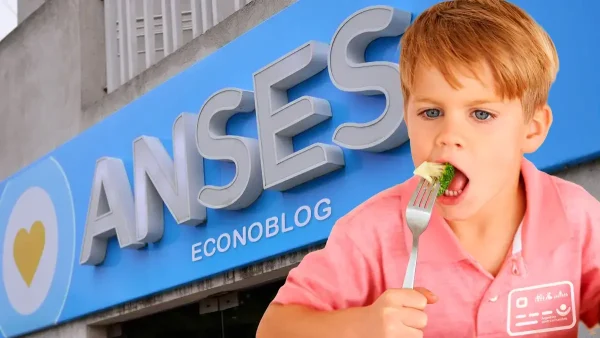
(509, 251)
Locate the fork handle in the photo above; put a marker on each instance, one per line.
(409, 277)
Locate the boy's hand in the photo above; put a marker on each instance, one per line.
(398, 313)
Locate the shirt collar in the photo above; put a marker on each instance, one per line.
(544, 225)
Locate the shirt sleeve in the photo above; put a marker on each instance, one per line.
(336, 277)
(590, 278)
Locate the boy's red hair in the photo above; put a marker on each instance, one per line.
(461, 34)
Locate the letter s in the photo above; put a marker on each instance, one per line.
(350, 73)
(214, 144)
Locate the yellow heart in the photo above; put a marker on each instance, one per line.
(27, 250)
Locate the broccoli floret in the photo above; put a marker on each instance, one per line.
(445, 178)
(442, 172)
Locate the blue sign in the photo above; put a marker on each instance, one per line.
(45, 206)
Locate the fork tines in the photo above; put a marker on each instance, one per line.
(425, 194)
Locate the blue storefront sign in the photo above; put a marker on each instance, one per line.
(252, 152)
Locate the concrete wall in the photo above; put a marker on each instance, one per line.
(588, 176)
(26, 7)
(51, 66)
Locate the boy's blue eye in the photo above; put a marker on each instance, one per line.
(481, 115)
(432, 113)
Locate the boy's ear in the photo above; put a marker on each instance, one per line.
(537, 129)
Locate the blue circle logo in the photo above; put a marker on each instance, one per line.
(37, 239)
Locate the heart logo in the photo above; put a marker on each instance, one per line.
(27, 250)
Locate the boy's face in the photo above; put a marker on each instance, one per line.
(481, 134)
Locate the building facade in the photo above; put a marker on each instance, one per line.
(165, 163)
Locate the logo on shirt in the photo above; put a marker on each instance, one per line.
(548, 296)
(541, 308)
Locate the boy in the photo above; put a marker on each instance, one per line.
(506, 241)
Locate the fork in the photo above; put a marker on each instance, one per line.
(418, 214)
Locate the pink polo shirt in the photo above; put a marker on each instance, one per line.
(549, 282)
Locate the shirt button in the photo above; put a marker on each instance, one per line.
(515, 269)
(493, 299)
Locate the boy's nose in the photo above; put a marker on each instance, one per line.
(449, 137)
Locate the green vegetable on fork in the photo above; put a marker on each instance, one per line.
(442, 172)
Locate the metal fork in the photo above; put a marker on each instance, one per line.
(418, 214)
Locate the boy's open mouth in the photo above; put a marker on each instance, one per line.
(452, 181)
(458, 184)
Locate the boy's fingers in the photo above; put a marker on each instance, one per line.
(406, 298)
(414, 318)
(431, 297)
